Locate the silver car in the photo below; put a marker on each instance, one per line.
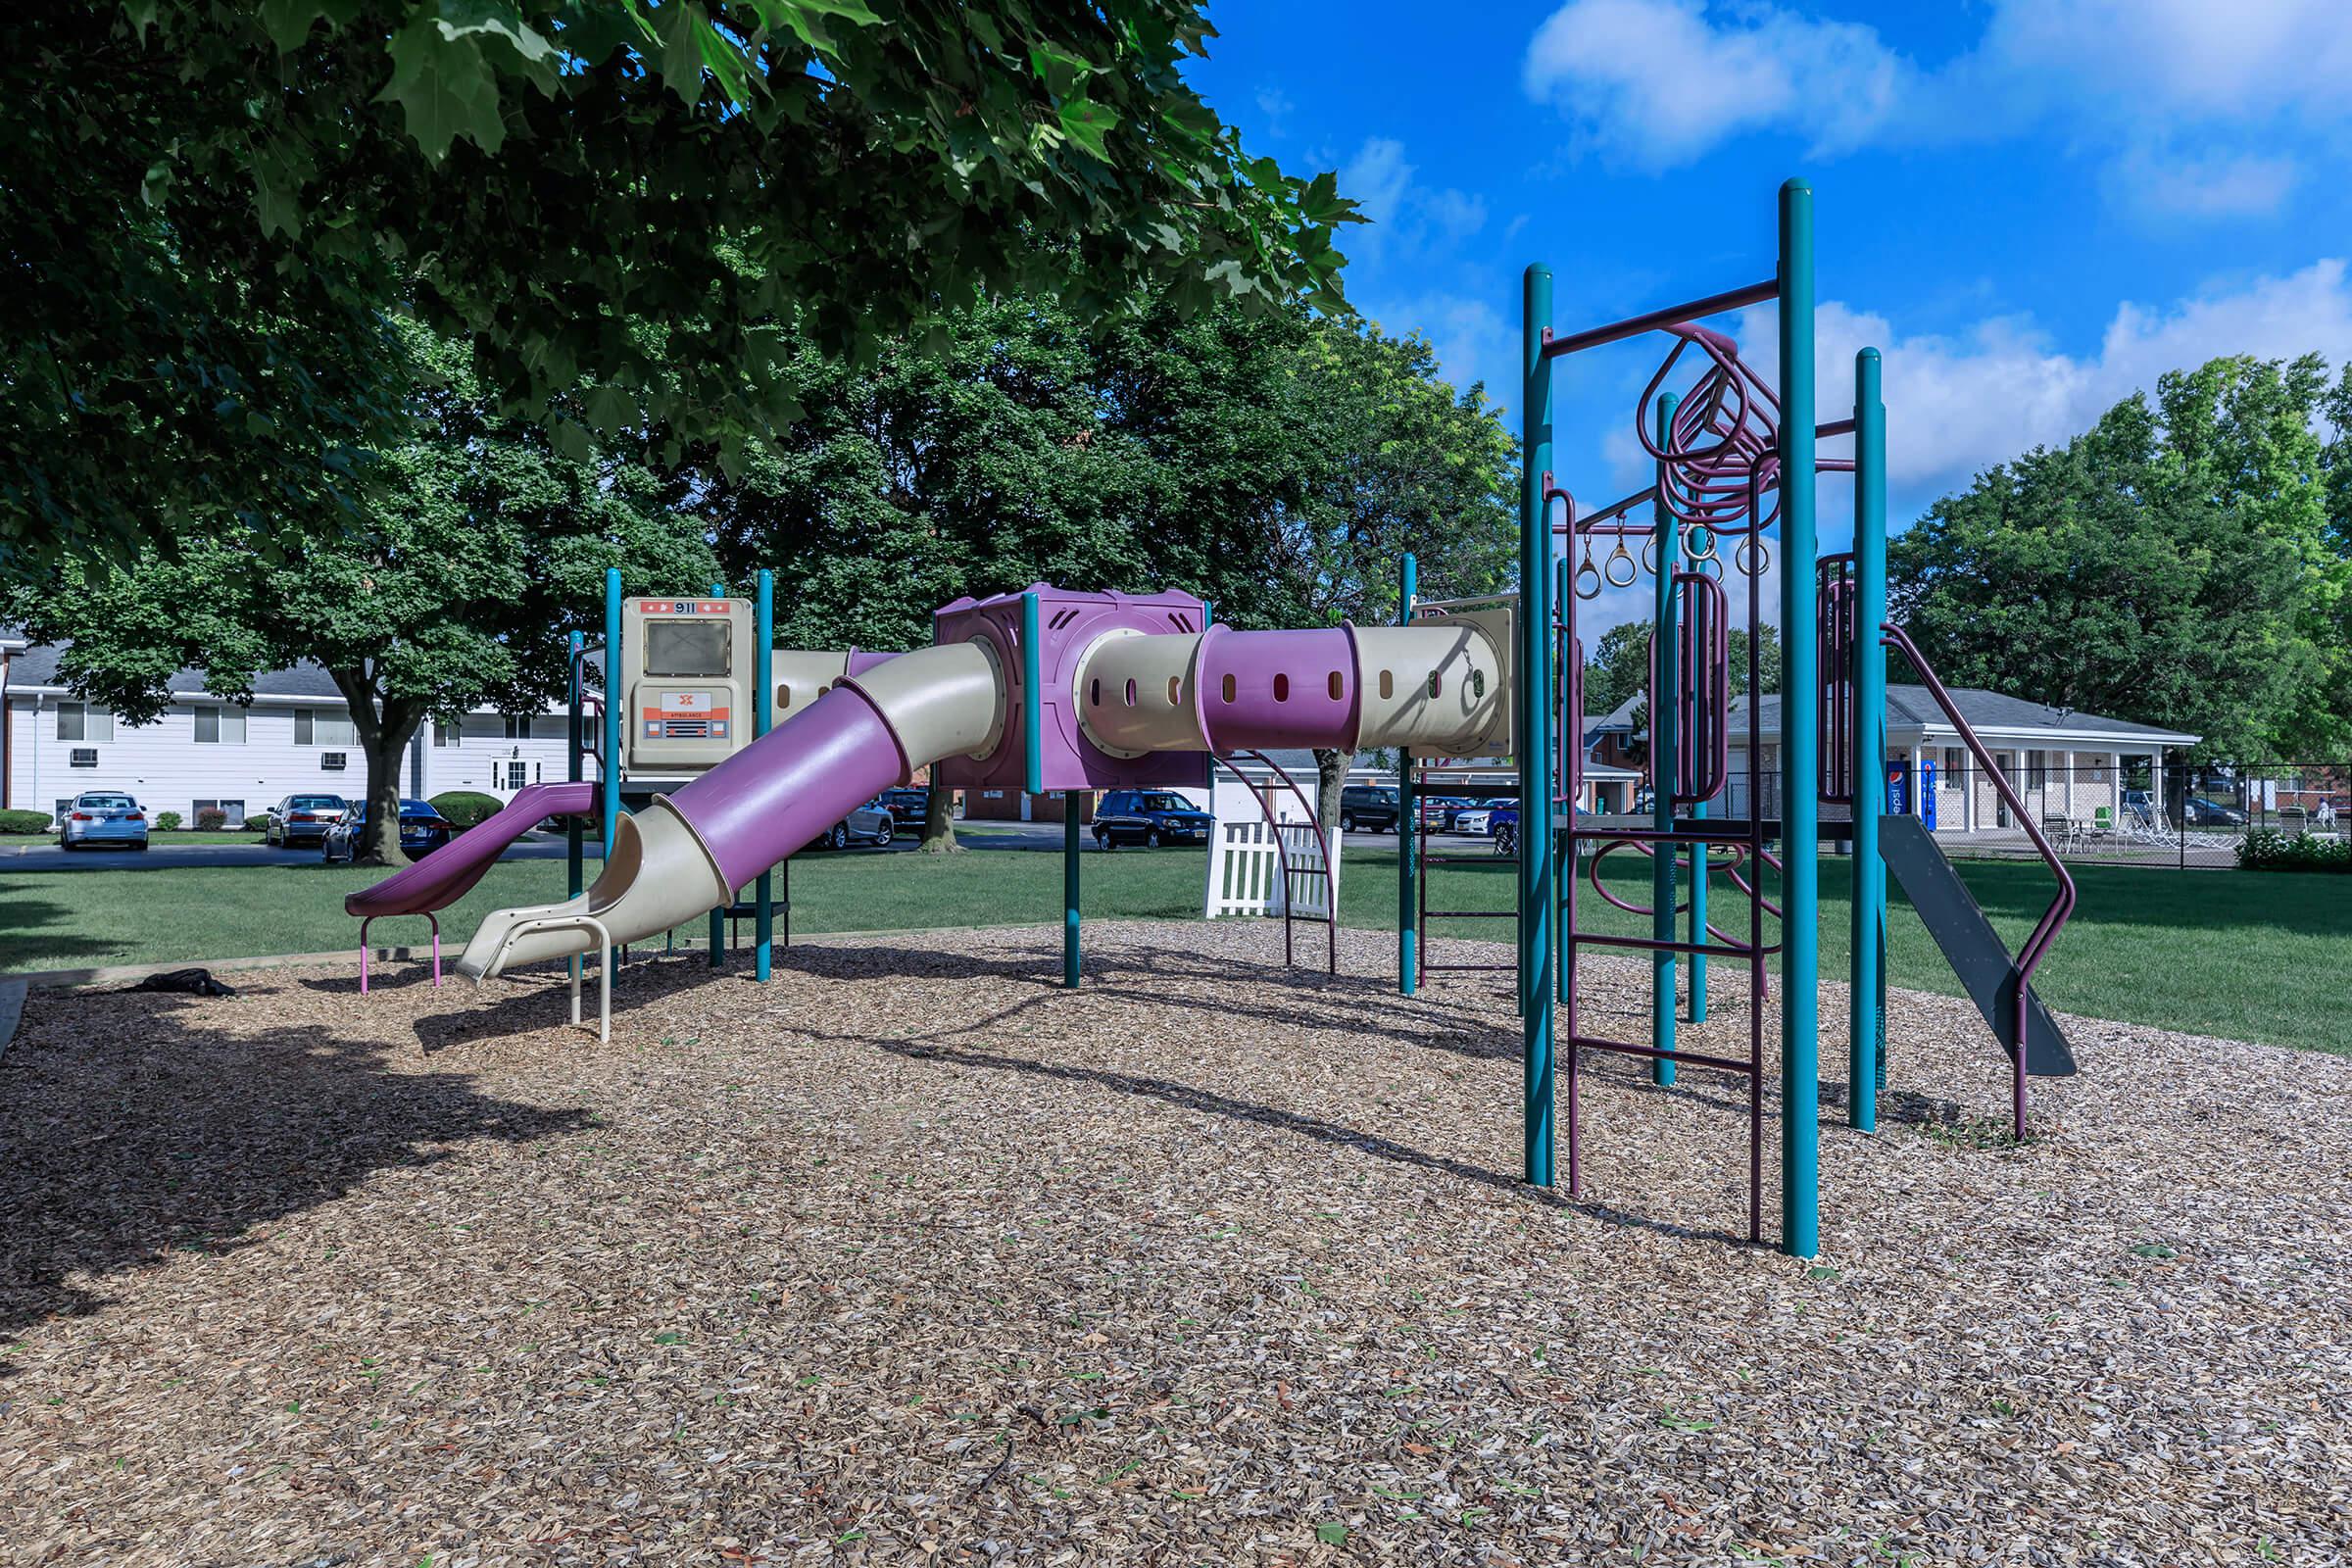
(870, 823)
(103, 819)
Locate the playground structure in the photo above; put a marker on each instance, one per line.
(1053, 690)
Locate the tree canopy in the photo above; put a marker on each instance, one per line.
(2177, 564)
(480, 550)
(632, 214)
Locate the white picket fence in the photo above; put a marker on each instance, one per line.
(1245, 862)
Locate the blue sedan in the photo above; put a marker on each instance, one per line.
(423, 830)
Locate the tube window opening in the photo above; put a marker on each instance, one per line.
(1175, 691)
(1131, 691)
(1282, 688)
(1337, 686)
(1388, 684)
(1228, 691)
(1436, 682)
(1093, 692)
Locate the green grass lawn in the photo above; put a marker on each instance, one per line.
(2249, 956)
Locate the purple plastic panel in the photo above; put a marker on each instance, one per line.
(451, 871)
(1280, 689)
(1068, 623)
(776, 795)
(863, 660)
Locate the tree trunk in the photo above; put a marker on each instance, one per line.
(383, 726)
(1330, 777)
(939, 832)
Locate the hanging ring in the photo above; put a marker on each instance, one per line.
(1633, 568)
(1587, 572)
(1650, 553)
(1699, 544)
(1708, 565)
(1753, 558)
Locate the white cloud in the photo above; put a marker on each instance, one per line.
(2162, 181)
(1470, 337)
(1956, 405)
(2172, 58)
(1276, 105)
(1377, 178)
(1657, 83)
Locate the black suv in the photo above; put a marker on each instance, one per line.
(1150, 816)
(1368, 808)
(907, 807)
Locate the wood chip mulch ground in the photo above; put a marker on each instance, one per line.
(910, 1256)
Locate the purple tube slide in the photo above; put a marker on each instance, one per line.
(778, 794)
(450, 872)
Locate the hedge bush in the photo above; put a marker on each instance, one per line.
(467, 808)
(167, 821)
(27, 824)
(212, 819)
(2269, 850)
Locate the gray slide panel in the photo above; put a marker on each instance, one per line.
(1970, 944)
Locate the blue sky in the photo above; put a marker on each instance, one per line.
(2033, 207)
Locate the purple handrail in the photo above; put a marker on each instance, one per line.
(2054, 918)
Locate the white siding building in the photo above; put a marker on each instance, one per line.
(203, 752)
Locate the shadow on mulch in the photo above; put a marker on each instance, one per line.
(1304, 997)
(155, 1134)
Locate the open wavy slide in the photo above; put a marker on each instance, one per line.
(450, 872)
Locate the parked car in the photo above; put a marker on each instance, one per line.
(1148, 817)
(2202, 813)
(103, 819)
(870, 823)
(1478, 818)
(2139, 805)
(423, 830)
(1442, 811)
(1369, 809)
(301, 819)
(907, 807)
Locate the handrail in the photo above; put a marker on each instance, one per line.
(2054, 918)
(1281, 854)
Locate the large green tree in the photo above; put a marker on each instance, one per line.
(477, 549)
(2171, 566)
(1275, 463)
(630, 213)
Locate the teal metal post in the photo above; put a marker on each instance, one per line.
(1538, 959)
(1069, 888)
(615, 696)
(575, 725)
(718, 916)
(1409, 841)
(1033, 740)
(1801, 743)
(1665, 744)
(1869, 772)
(763, 715)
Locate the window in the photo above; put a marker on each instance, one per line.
(1955, 764)
(519, 774)
(2037, 770)
(700, 646)
(324, 730)
(231, 811)
(333, 761)
(445, 733)
(221, 726)
(84, 721)
(525, 726)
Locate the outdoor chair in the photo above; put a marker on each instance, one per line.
(2060, 829)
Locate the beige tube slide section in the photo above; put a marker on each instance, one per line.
(682, 858)
(1439, 687)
